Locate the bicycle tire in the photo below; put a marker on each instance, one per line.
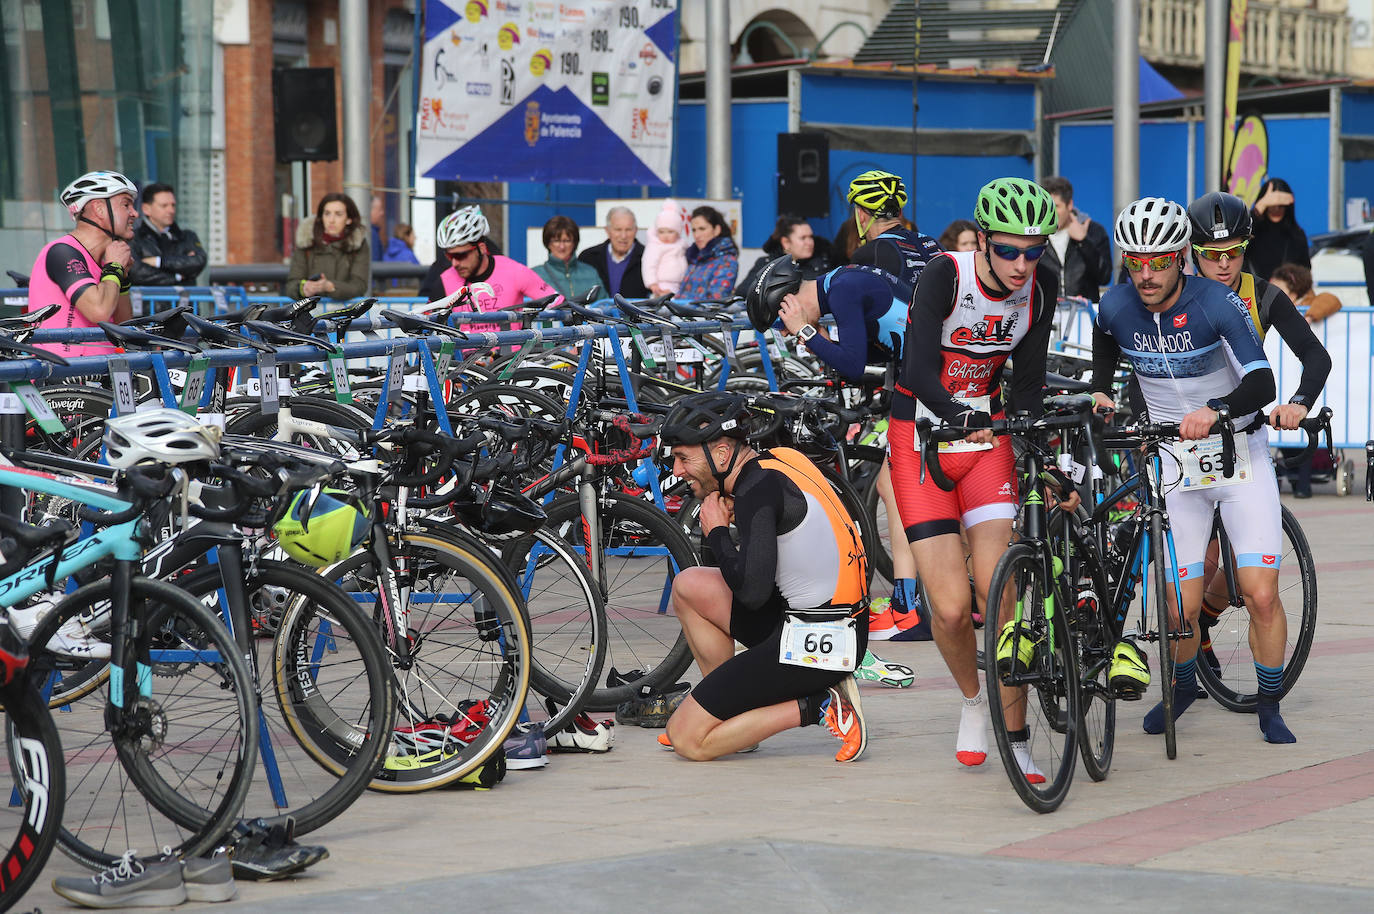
(642, 632)
(486, 613)
(320, 723)
(1159, 569)
(874, 509)
(37, 771)
(567, 620)
(1052, 715)
(205, 682)
(247, 418)
(1235, 687)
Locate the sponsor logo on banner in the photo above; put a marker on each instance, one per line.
(475, 11)
(481, 89)
(540, 62)
(572, 13)
(642, 127)
(531, 122)
(601, 89)
(507, 82)
(508, 7)
(508, 37)
(561, 126)
(542, 11)
(628, 67)
(540, 34)
(655, 85)
(648, 53)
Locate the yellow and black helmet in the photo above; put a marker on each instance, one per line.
(881, 193)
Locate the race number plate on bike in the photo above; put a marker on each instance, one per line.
(819, 640)
(981, 404)
(1202, 464)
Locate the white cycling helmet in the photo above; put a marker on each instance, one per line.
(163, 435)
(462, 226)
(1152, 225)
(95, 185)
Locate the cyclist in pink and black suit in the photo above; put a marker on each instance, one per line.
(462, 238)
(86, 270)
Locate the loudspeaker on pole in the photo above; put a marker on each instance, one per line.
(303, 114)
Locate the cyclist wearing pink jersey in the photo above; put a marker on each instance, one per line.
(462, 236)
(86, 270)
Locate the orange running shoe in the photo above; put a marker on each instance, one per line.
(882, 620)
(845, 717)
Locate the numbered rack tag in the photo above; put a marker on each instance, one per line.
(38, 408)
(395, 372)
(821, 643)
(1203, 466)
(126, 401)
(193, 385)
(267, 381)
(338, 372)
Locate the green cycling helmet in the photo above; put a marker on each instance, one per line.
(1015, 206)
(323, 531)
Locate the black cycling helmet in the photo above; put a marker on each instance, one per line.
(704, 417)
(781, 278)
(502, 513)
(1218, 215)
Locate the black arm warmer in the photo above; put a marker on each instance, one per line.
(1106, 355)
(1297, 333)
(1254, 391)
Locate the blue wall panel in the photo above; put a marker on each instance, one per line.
(754, 159)
(887, 103)
(1298, 153)
(1357, 112)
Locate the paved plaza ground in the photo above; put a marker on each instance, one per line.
(1232, 824)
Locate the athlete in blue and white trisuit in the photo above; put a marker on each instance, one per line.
(1194, 348)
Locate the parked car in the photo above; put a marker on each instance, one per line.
(1338, 263)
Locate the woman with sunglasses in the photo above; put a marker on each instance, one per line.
(1195, 350)
(972, 311)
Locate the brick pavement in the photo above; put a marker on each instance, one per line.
(1232, 819)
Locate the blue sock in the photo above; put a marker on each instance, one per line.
(1270, 720)
(1185, 693)
(904, 594)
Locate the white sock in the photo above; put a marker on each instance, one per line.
(972, 747)
(1028, 767)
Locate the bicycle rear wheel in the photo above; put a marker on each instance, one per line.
(1232, 681)
(37, 773)
(641, 552)
(464, 684)
(330, 693)
(1042, 692)
(180, 764)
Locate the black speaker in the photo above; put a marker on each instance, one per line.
(303, 112)
(804, 174)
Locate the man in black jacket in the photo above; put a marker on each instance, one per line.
(1080, 251)
(164, 253)
(618, 258)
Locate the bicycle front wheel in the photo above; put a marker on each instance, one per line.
(1033, 694)
(180, 763)
(1231, 681)
(39, 776)
(1169, 624)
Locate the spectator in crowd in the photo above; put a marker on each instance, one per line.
(86, 271)
(619, 259)
(401, 249)
(164, 253)
(332, 256)
(1080, 252)
(1278, 238)
(845, 244)
(567, 275)
(665, 256)
(793, 236)
(377, 217)
(960, 235)
(712, 260)
(1295, 281)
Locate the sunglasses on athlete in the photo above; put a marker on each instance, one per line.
(456, 256)
(1234, 252)
(1135, 263)
(1011, 251)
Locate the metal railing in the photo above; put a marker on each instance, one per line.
(1279, 41)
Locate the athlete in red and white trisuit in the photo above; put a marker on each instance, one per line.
(970, 312)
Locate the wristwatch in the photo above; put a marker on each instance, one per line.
(806, 333)
(1220, 406)
(1301, 400)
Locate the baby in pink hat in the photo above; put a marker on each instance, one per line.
(665, 256)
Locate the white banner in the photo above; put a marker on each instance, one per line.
(571, 92)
